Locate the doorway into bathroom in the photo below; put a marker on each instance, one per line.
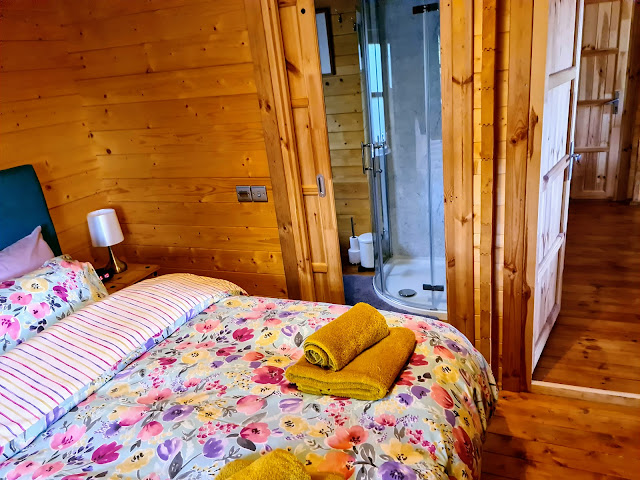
(383, 106)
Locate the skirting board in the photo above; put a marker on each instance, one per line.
(586, 393)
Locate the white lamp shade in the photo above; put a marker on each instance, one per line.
(104, 228)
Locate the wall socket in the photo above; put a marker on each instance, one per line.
(243, 192)
(246, 193)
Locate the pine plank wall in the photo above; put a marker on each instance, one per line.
(42, 120)
(152, 109)
(493, 186)
(149, 108)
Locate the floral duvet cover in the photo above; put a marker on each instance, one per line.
(215, 391)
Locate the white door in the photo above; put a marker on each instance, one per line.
(556, 51)
(603, 74)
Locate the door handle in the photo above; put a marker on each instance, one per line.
(576, 157)
(364, 166)
(377, 146)
(321, 186)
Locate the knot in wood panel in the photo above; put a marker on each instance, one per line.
(466, 81)
(520, 133)
(510, 270)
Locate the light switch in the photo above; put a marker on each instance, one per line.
(243, 192)
(259, 194)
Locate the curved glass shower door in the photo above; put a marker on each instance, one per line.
(402, 154)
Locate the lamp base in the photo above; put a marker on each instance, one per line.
(112, 268)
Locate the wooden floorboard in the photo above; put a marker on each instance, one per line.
(595, 342)
(543, 437)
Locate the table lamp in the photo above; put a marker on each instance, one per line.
(105, 231)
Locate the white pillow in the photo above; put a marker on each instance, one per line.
(24, 256)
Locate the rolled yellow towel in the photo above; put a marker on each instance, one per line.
(340, 341)
(276, 465)
(367, 377)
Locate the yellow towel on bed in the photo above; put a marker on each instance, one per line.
(368, 377)
(340, 341)
(276, 465)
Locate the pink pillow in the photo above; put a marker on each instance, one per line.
(24, 256)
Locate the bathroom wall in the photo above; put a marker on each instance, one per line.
(414, 170)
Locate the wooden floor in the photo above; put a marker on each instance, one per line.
(595, 342)
(544, 437)
(348, 269)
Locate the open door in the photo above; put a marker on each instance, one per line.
(557, 30)
(283, 37)
(603, 78)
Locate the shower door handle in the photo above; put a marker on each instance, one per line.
(375, 147)
(364, 166)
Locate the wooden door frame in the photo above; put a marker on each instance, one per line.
(516, 292)
(457, 109)
(265, 36)
(301, 224)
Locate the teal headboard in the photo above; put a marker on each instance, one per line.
(23, 208)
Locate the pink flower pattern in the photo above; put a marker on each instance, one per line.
(161, 411)
(63, 440)
(43, 297)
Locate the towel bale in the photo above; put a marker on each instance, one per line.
(276, 465)
(368, 377)
(340, 341)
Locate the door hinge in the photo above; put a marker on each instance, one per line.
(614, 102)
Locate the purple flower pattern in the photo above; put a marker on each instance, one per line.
(234, 402)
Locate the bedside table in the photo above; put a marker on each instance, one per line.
(136, 272)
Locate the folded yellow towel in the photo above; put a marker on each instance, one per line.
(368, 377)
(230, 469)
(340, 341)
(276, 465)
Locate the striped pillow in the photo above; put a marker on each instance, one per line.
(52, 372)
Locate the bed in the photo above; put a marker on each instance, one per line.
(205, 385)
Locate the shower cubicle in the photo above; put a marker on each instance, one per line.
(402, 154)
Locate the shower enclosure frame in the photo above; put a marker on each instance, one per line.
(375, 150)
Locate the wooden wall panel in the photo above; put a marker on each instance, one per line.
(486, 122)
(492, 22)
(458, 96)
(169, 93)
(42, 121)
